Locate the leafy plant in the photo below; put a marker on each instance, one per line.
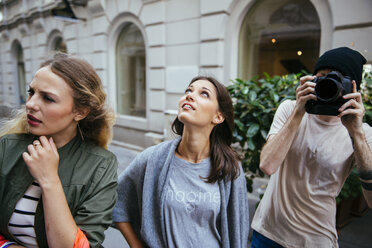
(366, 91)
(351, 187)
(255, 102)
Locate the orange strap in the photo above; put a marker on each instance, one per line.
(81, 240)
(3, 240)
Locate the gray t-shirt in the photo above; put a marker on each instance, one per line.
(192, 206)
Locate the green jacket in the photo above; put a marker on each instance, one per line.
(89, 178)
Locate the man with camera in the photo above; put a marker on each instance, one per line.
(313, 144)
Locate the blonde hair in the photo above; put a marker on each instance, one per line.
(88, 93)
(15, 125)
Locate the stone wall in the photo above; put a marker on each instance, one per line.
(182, 39)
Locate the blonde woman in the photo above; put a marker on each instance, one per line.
(58, 181)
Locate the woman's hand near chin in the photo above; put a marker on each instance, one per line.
(42, 160)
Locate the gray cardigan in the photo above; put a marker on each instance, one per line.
(141, 196)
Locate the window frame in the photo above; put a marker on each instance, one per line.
(126, 121)
(16, 49)
(124, 85)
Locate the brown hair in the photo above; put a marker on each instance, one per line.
(224, 160)
(87, 93)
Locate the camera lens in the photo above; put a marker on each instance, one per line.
(328, 90)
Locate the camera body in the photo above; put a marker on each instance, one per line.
(329, 91)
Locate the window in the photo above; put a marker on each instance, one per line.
(59, 45)
(20, 67)
(131, 72)
(56, 43)
(278, 37)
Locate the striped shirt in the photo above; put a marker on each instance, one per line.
(21, 224)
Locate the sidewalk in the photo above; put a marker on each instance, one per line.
(357, 234)
(113, 237)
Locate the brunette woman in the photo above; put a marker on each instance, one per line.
(189, 192)
(58, 181)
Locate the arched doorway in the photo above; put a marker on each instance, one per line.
(278, 37)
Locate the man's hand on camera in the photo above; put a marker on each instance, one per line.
(352, 112)
(305, 92)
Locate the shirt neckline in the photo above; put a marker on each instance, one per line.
(185, 162)
(326, 123)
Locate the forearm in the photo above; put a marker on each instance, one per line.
(60, 226)
(363, 159)
(277, 147)
(127, 230)
(362, 152)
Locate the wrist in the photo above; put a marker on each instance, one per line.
(357, 134)
(50, 184)
(358, 139)
(296, 117)
(365, 176)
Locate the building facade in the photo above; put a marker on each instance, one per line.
(147, 51)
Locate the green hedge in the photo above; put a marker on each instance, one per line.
(255, 102)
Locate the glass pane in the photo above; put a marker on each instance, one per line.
(279, 37)
(21, 75)
(60, 45)
(131, 72)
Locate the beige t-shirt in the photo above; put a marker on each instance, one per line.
(299, 207)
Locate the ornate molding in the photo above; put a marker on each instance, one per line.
(23, 28)
(96, 6)
(39, 23)
(25, 17)
(295, 13)
(4, 35)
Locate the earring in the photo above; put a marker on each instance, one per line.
(81, 133)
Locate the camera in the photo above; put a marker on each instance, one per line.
(329, 91)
